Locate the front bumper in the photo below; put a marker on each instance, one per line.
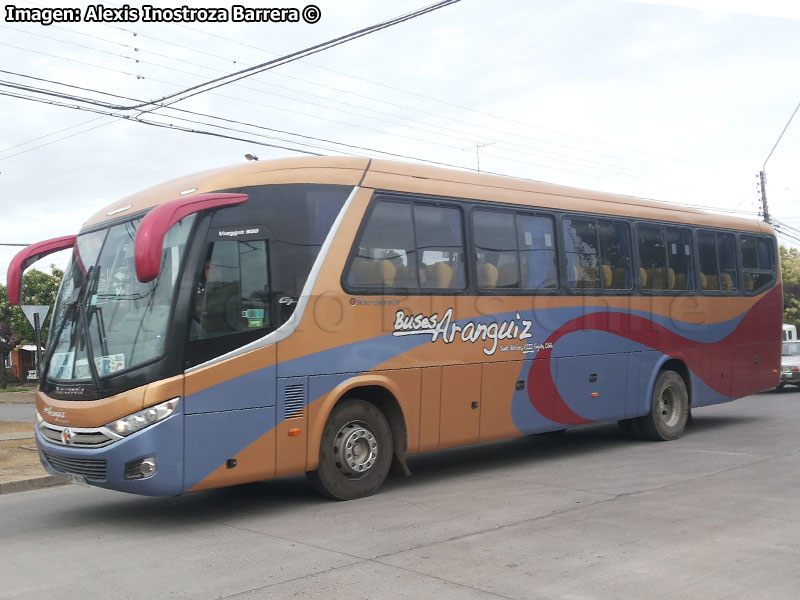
(105, 467)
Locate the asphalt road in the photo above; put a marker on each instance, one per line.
(715, 514)
(18, 412)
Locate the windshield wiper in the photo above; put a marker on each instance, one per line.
(68, 314)
(91, 279)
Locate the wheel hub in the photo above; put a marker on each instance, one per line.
(668, 408)
(355, 449)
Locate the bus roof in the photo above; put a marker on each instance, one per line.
(416, 178)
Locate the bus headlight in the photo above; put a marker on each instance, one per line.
(139, 420)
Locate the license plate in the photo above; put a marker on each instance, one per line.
(77, 479)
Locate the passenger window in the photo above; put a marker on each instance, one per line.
(537, 252)
(758, 262)
(718, 261)
(386, 255)
(598, 254)
(232, 295)
(496, 250)
(679, 258)
(653, 258)
(726, 253)
(615, 255)
(580, 241)
(709, 269)
(410, 246)
(440, 246)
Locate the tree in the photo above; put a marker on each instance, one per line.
(37, 288)
(8, 341)
(790, 268)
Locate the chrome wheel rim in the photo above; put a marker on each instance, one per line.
(669, 411)
(355, 450)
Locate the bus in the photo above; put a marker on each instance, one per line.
(334, 315)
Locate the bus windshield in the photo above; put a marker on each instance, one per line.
(791, 349)
(106, 320)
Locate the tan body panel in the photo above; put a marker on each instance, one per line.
(96, 413)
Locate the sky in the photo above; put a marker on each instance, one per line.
(676, 100)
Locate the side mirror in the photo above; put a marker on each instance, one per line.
(150, 236)
(25, 258)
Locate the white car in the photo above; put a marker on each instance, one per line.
(790, 363)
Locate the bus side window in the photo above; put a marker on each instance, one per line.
(758, 262)
(653, 258)
(496, 250)
(615, 255)
(709, 268)
(409, 246)
(718, 261)
(726, 252)
(581, 244)
(233, 292)
(537, 252)
(385, 254)
(679, 259)
(440, 247)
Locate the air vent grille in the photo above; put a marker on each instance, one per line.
(294, 401)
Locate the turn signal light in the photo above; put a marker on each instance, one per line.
(595, 394)
(294, 432)
(774, 370)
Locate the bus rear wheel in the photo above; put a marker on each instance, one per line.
(355, 451)
(669, 409)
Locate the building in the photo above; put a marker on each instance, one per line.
(23, 362)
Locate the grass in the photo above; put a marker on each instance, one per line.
(17, 389)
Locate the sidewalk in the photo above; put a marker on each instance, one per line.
(20, 469)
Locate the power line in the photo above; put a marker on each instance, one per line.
(423, 96)
(65, 137)
(91, 102)
(416, 139)
(548, 157)
(209, 133)
(212, 84)
(763, 174)
(138, 34)
(780, 136)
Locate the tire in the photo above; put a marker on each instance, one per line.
(669, 409)
(360, 427)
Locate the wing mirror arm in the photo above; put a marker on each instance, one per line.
(153, 228)
(25, 258)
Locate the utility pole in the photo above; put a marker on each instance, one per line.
(763, 176)
(478, 146)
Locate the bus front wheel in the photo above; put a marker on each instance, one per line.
(669, 409)
(355, 451)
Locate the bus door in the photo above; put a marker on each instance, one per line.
(230, 392)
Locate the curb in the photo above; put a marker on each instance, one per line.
(35, 483)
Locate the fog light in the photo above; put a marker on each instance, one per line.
(139, 469)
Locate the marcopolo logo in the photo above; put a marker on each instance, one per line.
(374, 301)
(489, 333)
